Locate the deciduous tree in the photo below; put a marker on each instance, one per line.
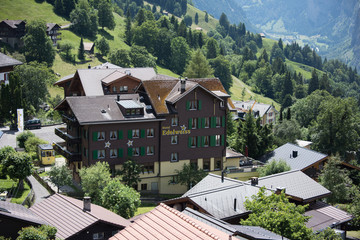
(190, 175)
(130, 173)
(105, 15)
(18, 165)
(222, 71)
(37, 45)
(94, 179)
(180, 54)
(103, 46)
(273, 167)
(120, 57)
(60, 176)
(120, 199)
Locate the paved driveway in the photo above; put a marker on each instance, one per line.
(45, 133)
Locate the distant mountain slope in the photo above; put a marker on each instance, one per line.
(331, 26)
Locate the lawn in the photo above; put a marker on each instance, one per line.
(354, 234)
(29, 10)
(10, 186)
(144, 208)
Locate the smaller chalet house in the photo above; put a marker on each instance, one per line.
(223, 198)
(267, 113)
(11, 32)
(298, 158)
(76, 219)
(14, 217)
(164, 222)
(89, 47)
(52, 30)
(7, 65)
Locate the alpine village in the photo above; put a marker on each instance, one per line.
(167, 119)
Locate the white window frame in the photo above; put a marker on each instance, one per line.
(193, 105)
(174, 157)
(135, 133)
(218, 122)
(193, 142)
(207, 122)
(208, 141)
(150, 150)
(114, 89)
(174, 121)
(136, 151)
(174, 139)
(150, 132)
(101, 154)
(101, 136)
(217, 140)
(113, 135)
(113, 153)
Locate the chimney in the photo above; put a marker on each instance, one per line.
(182, 84)
(222, 176)
(254, 181)
(87, 204)
(294, 154)
(235, 204)
(89, 66)
(279, 190)
(118, 97)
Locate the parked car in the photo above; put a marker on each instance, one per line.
(33, 123)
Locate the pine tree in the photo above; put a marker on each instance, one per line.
(198, 67)
(81, 52)
(196, 18)
(314, 82)
(206, 17)
(128, 32)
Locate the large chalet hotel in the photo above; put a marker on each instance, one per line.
(114, 114)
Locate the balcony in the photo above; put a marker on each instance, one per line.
(60, 148)
(67, 118)
(62, 132)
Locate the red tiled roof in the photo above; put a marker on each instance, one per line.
(67, 215)
(164, 222)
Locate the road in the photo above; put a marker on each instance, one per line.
(45, 133)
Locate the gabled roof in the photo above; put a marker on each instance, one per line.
(13, 23)
(324, 215)
(230, 153)
(261, 107)
(20, 212)
(238, 231)
(102, 109)
(297, 185)
(50, 26)
(6, 61)
(305, 157)
(88, 46)
(67, 215)
(164, 222)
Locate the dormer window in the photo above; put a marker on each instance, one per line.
(131, 108)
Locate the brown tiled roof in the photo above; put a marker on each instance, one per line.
(67, 215)
(158, 90)
(164, 222)
(324, 215)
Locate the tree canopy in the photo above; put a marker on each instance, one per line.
(130, 173)
(190, 175)
(18, 165)
(273, 167)
(198, 66)
(60, 176)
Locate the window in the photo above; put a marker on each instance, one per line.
(101, 136)
(218, 122)
(136, 151)
(138, 111)
(133, 112)
(99, 235)
(150, 150)
(193, 105)
(113, 153)
(174, 179)
(101, 154)
(150, 132)
(206, 141)
(270, 114)
(143, 186)
(217, 163)
(194, 163)
(206, 164)
(222, 104)
(174, 139)
(123, 88)
(128, 112)
(174, 121)
(217, 140)
(174, 157)
(206, 122)
(135, 133)
(113, 135)
(194, 123)
(147, 168)
(114, 89)
(192, 142)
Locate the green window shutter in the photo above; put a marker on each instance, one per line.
(199, 141)
(189, 142)
(199, 104)
(95, 154)
(120, 134)
(121, 154)
(190, 123)
(202, 140)
(212, 122)
(142, 151)
(130, 150)
(222, 140)
(187, 105)
(199, 123)
(95, 136)
(223, 121)
(142, 133)
(212, 140)
(202, 122)
(129, 134)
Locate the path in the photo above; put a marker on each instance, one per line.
(39, 191)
